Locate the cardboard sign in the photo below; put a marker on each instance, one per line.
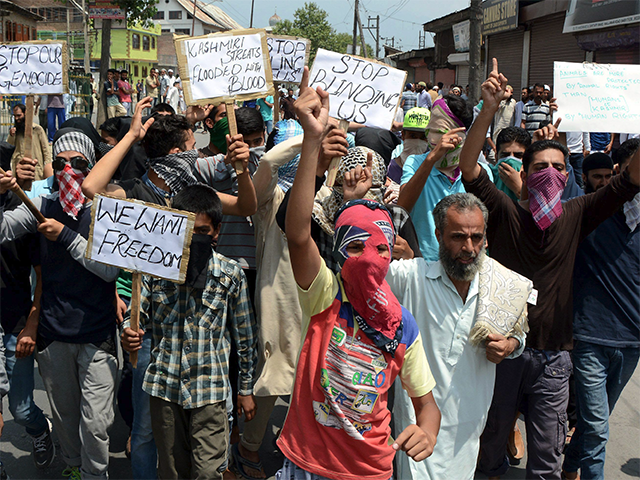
(361, 90)
(597, 97)
(224, 67)
(288, 57)
(140, 237)
(38, 67)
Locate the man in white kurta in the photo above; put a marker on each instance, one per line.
(464, 376)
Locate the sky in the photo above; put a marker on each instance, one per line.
(399, 19)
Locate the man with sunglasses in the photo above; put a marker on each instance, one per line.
(76, 349)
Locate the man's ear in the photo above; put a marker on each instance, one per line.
(584, 179)
(216, 232)
(208, 122)
(174, 150)
(616, 169)
(438, 235)
(523, 177)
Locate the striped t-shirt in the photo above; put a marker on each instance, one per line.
(533, 115)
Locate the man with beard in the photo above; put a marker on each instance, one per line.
(40, 151)
(286, 106)
(536, 111)
(538, 238)
(449, 299)
(606, 324)
(597, 170)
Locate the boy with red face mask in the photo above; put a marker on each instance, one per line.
(357, 336)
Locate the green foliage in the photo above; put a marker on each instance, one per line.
(311, 22)
(138, 10)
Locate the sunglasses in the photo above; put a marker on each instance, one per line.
(512, 154)
(79, 163)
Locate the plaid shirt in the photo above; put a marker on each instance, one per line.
(192, 330)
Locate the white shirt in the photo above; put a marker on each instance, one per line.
(576, 141)
(464, 377)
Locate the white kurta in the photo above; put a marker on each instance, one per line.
(464, 377)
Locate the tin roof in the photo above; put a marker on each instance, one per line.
(210, 14)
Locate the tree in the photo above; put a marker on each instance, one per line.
(137, 11)
(311, 22)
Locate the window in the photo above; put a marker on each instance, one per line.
(159, 15)
(153, 43)
(135, 41)
(77, 16)
(189, 16)
(175, 15)
(144, 72)
(145, 43)
(165, 30)
(135, 70)
(183, 31)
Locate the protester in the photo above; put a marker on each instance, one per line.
(424, 99)
(601, 142)
(41, 107)
(414, 141)
(524, 98)
(266, 110)
(456, 308)
(504, 117)
(536, 113)
(164, 86)
(597, 170)
(124, 92)
(546, 95)
(286, 105)
(111, 90)
(152, 83)
(606, 323)
(139, 90)
(536, 237)
(55, 112)
(337, 424)
(173, 97)
(40, 150)
(189, 422)
(76, 349)
(579, 146)
(409, 98)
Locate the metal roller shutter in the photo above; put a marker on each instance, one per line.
(462, 75)
(628, 56)
(548, 45)
(507, 48)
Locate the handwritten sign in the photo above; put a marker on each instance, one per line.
(361, 90)
(139, 237)
(225, 66)
(597, 97)
(288, 57)
(38, 67)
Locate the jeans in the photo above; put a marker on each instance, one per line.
(127, 108)
(52, 114)
(576, 160)
(268, 125)
(601, 374)
(144, 456)
(20, 372)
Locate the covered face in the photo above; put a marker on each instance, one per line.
(442, 120)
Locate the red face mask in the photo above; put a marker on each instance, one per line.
(364, 275)
(70, 189)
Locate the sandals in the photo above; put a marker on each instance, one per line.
(240, 462)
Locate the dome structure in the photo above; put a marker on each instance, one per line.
(273, 21)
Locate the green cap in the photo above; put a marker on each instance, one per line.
(416, 119)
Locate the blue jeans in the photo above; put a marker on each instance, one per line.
(20, 372)
(576, 160)
(144, 455)
(269, 126)
(52, 114)
(601, 373)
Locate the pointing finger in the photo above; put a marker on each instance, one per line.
(305, 79)
(557, 124)
(495, 66)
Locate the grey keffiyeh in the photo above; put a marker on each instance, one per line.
(502, 302)
(324, 210)
(176, 169)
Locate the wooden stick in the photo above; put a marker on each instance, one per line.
(335, 161)
(233, 130)
(276, 105)
(29, 204)
(28, 136)
(136, 285)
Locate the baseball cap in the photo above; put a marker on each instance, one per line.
(422, 84)
(416, 119)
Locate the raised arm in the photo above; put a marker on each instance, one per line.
(493, 92)
(312, 109)
(102, 172)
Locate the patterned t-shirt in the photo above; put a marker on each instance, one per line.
(338, 422)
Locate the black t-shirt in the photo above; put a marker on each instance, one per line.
(137, 189)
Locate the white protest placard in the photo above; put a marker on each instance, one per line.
(139, 237)
(288, 57)
(38, 67)
(224, 67)
(595, 97)
(361, 90)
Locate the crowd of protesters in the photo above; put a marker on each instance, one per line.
(470, 267)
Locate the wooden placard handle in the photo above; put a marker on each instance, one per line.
(136, 285)
(276, 104)
(28, 136)
(29, 204)
(335, 161)
(233, 130)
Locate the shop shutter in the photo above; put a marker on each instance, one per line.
(507, 48)
(548, 45)
(462, 75)
(627, 56)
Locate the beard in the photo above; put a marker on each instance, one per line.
(19, 127)
(463, 272)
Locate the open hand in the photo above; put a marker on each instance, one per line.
(312, 108)
(416, 442)
(494, 89)
(358, 180)
(197, 113)
(137, 129)
(511, 177)
(548, 132)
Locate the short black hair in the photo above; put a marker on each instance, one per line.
(166, 133)
(540, 146)
(124, 71)
(536, 85)
(271, 139)
(461, 109)
(21, 106)
(199, 198)
(513, 134)
(440, 85)
(111, 127)
(249, 121)
(429, 86)
(163, 107)
(627, 150)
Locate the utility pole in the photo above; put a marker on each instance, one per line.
(355, 27)
(364, 45)
(251, 21)
(375, 27)
(193, 21)
(87, 46)
(475, 45)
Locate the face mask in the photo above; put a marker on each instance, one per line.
(104, 148)
(257, 151)
(218, 134)
(442, 120)
(70, 189)
(375, 306)
(545, 191)
(412, 146)
(176, 169)
(200, 252)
